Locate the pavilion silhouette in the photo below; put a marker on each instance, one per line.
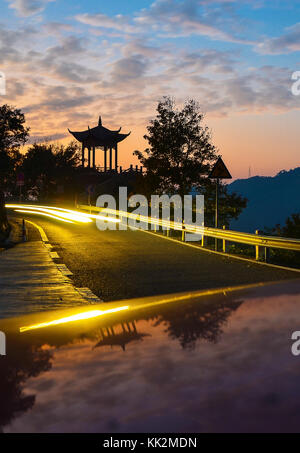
(100, 137)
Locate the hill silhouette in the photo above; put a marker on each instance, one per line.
(271, 200)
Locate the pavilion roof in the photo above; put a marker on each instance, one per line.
(99, 136)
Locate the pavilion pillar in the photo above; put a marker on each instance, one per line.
(116, 158)
(105, 159)
(89, 149)
(94, 157)
(82, 155)
(110, 158)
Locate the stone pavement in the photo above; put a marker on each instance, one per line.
(30, 281)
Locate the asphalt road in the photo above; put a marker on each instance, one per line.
(128, 264)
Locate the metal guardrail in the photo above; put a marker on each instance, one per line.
(260, 242)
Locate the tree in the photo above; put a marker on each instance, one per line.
(13, 134)
(4, 225)
(291, 229)
(179, 157)
(180, 151)
(230, 205)
(48, 166)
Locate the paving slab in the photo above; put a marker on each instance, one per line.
(30, 282)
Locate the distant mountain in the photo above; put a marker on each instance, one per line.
(271, 200)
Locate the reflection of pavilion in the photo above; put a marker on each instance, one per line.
(110, 336)
(100, 137)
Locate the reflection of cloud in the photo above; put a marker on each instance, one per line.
(17, 367)
(245, 382)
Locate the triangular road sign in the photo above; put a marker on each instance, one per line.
(220, 171)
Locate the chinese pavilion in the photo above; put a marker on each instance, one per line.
(100, 137)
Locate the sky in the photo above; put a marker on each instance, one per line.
(67, 62)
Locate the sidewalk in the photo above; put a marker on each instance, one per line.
(30, 281)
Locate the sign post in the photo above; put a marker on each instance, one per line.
(219, 171)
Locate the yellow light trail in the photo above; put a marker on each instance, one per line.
(175, 298)
(53, 211)
(74, 318)
(158, 222)
(44, 214)
(60, 213)
(84, 214)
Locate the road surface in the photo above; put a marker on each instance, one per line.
(127, 264)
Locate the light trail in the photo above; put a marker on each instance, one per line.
(140, 305)
(74, 318)
(73, 216)
(60, 213)
(169, 224)
(44, 214)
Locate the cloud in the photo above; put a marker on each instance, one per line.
(128, 69)
(119, 22)
(45, 138)
(57, 28)
(287, 43)
(184, 18)
(28, 7)
(168, 18)
(65, 73)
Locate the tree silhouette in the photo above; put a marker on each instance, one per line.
(13, 134)
(192, 322)
(4, 226)
(179, 157)
(47, 166)
(230, 204)
(21, 363)
(291, 229)
(180, 150)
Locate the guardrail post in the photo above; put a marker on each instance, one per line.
(183, 232)
(257, 248)
(267, 254)
(224, 241)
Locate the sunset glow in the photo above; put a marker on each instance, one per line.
(65, 64)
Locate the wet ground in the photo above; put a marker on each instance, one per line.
(204, 363)
(127, 264)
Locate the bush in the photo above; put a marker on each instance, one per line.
(4, 225)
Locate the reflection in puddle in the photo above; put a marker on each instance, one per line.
(220, 363)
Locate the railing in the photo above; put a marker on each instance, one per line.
(261, 243)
